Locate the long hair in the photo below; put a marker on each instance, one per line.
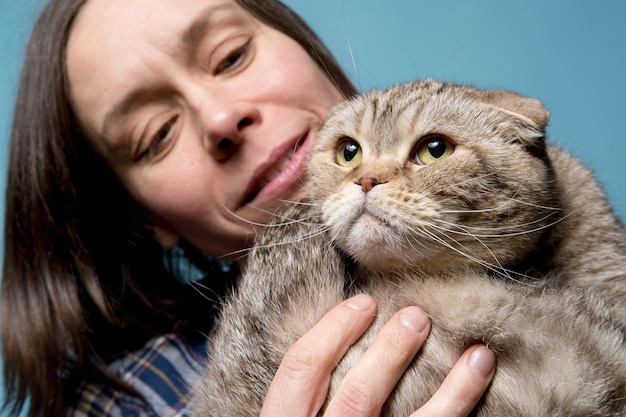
(80, 272)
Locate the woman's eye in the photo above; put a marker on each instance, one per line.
(433, 149)
(160, 139)
(349, 153)
(234, 59)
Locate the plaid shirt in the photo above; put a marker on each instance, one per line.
(164, 371)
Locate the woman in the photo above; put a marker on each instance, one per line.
(152, 124)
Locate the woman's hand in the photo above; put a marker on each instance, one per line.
(301, 382)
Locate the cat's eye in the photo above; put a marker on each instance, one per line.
(349, 153)
(433, 149)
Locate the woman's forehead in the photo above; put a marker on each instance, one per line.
(126, 23)
(114, 44)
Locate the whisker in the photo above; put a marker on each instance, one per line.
(321, 61)
(199, 287)
(244, 252)
(266, 225)
(457, 184)
(477, 239)
(300, 203)
(319, 231)
(497, 269)
(356, 71)
(241, 252)
(512, 200)
(464, 230)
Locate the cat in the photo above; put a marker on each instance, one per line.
(449, 198)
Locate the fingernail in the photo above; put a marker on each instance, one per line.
(414, 319)
(483, 360)
(361, 302)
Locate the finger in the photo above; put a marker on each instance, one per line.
(464, 385)
(368, 384)
(301, 383)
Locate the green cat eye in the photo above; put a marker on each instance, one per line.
(349, 153)
(433, 149)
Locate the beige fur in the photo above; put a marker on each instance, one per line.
(508, 241)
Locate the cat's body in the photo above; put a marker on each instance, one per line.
(447, 198)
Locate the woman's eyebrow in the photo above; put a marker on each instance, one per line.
(212, 16)
(129, 101)
(195, 31)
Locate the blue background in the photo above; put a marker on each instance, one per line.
(569, 54)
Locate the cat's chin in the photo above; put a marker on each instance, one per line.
(376, 244)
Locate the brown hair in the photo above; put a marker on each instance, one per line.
(80, 273)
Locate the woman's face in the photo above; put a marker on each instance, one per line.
(205, 114)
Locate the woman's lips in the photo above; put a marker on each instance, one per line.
(282, 169)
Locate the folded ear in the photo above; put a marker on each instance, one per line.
(529, 108)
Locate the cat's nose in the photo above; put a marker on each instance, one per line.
(367, 183)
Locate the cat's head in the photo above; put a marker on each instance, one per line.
(435, 175)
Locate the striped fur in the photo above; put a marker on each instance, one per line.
(508, 241)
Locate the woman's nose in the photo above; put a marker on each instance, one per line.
(225, 126)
